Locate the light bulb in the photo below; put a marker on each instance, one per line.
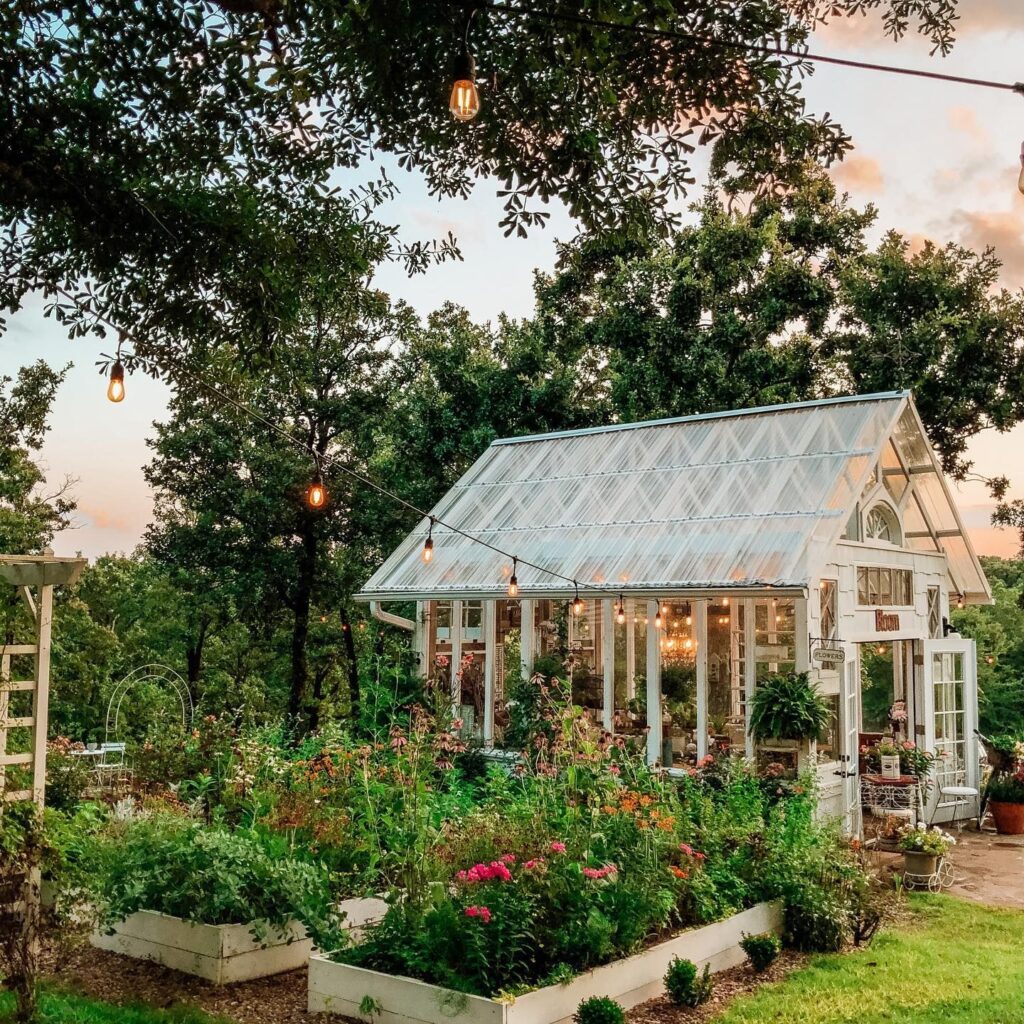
(316, 496)
(620, 612)
(465, 100)
(513, 583)
(658, 620)
(428, 549)
(577, 603)
(115, 389)
(725, 602)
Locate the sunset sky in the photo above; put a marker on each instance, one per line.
(939, 161)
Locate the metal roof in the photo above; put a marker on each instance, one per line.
(730, 500)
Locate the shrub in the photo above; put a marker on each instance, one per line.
(685, 986)
(177, 866)
(788, 707)
(762, 950)
(599, 1010)
(817, 919)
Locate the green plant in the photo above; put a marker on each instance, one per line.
(1007, 789)
(180, 867)
(685, 985)
(921, 839)
(599, 1010)
(762, 950)
(788, 707)
(817, 919)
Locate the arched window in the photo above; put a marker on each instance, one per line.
(882, 524)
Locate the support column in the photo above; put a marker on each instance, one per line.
(490, 625)
(456, 683)
(749, 671)
(653, 685)
(41, 699)
(801, 637)
(527, 637)
(700, 622)
(608, 665)
(631, 613)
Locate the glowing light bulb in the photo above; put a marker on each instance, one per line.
(115, 389)
(316, 496)
(658, 620)
(428, 544)
(620, 612)
(989, 659)
(513, 583)
(465, 100)
(725, 602)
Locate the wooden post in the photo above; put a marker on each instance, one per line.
(608, 665)
(527, 637)
(456, 665)
(700, 621)
(749, 670)
(490, 626)
(653, 685)
(631, 613)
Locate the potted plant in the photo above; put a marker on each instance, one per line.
(1006, 802)
(923, 848)
(788, 711)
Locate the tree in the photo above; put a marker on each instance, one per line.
(785, 301)
(28, 517)
(167, 167)
(231, 519)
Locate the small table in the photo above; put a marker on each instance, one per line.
(899, 796)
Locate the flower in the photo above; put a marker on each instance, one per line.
(531, 864)
(686, 849)
(507, 858)
(678, 872)
(558, 847)
(608, 869)
(614, 769)
(484, 913)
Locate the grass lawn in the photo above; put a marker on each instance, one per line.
(956, 962)
(61, 1008)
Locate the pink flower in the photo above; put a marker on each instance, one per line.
(909, 745)
(441, 661)
(608, 869)
(531, 864)
(557, 847)
(483, 913)
(495, 871)
(687, 849)
(507, 858)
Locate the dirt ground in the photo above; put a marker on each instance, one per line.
(989, 869)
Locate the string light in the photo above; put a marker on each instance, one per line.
(428, 544)
(115, 389)
(658, 620)
(513, 583)
(620, 612)
(316, 496)
(990, 659)
(725, 602)
(465, 100)
(577, 604)
(880, 649)
(959, 600)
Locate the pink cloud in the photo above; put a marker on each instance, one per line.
(965, 120)
(976, 18)
(1001, 229)
(859, 174)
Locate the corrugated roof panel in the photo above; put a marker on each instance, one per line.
(723, 500)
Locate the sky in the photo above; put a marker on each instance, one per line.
(938, 160)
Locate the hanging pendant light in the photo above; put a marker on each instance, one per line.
(428, 544)
(577, 604)
(115, 389)
(513, 583)
(620, 612)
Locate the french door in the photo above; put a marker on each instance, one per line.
(849, 724)
(950, 709)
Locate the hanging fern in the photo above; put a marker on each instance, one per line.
(788, 707)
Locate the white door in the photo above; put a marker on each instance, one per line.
(950, 718)
(849, 758)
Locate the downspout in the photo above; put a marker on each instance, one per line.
(392, 620)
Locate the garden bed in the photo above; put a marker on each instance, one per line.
(221, 953)
(343, 989)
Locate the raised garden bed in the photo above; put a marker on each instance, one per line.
(342, 989)
(223, 953)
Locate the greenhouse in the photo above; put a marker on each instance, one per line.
(708, 552)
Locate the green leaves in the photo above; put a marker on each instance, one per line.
(788, 708)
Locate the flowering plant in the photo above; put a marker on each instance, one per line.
(913, 760)
(1007, 789)
(920, 838)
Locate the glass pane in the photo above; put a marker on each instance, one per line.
(678, 682)
(725, 672)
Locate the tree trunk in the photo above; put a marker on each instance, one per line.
(353, 667)
(194, 655)
(300, 630)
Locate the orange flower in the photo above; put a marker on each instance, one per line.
(678, 872)
(608, 809)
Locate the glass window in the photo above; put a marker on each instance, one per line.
(934, 613)
(775, 636)
(829, 743)
(678, 682)
(827, 596)
(881, 524)
(881, 585)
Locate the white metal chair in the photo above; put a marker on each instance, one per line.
(960, 797)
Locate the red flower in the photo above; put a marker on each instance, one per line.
(483, 913)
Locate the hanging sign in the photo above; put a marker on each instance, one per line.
(828, 655)
(886, 622)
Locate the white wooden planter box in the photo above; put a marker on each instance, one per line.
(227, 952)
(340, 988)
(221, 953)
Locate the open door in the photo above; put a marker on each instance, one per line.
(950, 704)
(849, 758)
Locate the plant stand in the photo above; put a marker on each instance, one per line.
(941, 878)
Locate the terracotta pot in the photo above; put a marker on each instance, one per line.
(1009, 818)
(918, 863)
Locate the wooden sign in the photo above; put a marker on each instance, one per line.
(886, 622)
(828, 655)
